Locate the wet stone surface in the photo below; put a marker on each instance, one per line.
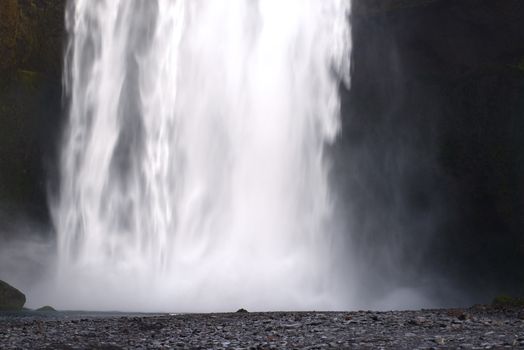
(475, 328)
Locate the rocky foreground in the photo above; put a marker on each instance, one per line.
(475, 328)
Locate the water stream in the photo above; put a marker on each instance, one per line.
(193, 166)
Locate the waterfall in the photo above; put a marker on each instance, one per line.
(193, 171)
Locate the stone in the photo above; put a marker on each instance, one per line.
(463, 317)
(234, 330)
(46, 308)
(10, 297)
(440, 340)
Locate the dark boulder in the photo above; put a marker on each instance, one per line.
(10, 297)
(46, 308)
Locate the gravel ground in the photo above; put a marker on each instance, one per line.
(475, 328)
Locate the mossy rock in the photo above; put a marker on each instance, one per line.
(10, 298)
(46, 308)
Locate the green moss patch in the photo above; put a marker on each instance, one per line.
(29, 79)
(508, 301)
(520, 65)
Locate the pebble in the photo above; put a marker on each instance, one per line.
(484, 328)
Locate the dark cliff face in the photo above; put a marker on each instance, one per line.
(431, 158)
(31, 37)
(430, 163)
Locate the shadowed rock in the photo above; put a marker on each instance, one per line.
(10, 297)
(46, 308)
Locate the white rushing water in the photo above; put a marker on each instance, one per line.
(193, 174)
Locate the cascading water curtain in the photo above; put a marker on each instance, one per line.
(193, 175)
